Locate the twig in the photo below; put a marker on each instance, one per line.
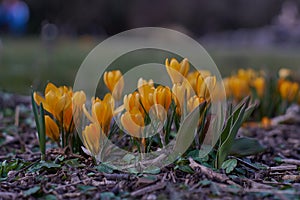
(291, 161)
(283, 168)
(105, 182)
(276, 183)
(118, 176)
(211, 174)
(149, 189)
(245, 163)
(256, 185)
(17, 116)
(276, 191)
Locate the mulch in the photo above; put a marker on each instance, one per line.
(273, 174)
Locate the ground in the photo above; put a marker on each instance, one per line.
(273, 174)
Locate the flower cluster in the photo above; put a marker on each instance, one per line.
(240, 85)
(150, 105)
(63, 108)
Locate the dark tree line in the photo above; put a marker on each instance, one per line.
(77, 17)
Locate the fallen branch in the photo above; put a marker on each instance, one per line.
(291, 161)
(151, 188)
(211, 174)
(118, 176)
(283, 168)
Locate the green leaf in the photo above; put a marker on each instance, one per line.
(133, 170)
(152, 170)
(128, 158)
(249, 111)
(85, 188)
(245, 146)
(73, 163)
(229, 133)
(43, 164)
(32, 191)
(107, 195)
(35, 112)
(186, 168)
(50, 165)
(185, 135)
(50, 197)
(42, 133)
(193, 154)
(104, 168)
(229, 165)
(205, 182)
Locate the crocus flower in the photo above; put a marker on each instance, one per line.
(73, 113)
(259, 85)
(246, 74)
(238, 88)
(180, 95)
(132, 101)
(204, 88)
(52, 130)
(102, 112)
(196, 76)
(146, 91)
(194, 102)
(56, 100)
(289, 90)
(133, 122)
(91, 138)
(177, 71)
(115, 83)
(162, 99)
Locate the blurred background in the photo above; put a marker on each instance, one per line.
(48, 40)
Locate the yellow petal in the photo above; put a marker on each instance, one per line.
(91, 137)
(52, 130)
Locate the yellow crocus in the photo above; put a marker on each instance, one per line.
(289, 90)
(194, 102)
(52, 130)
(239, 88)
(56, 100)
(180, 94)
(177, 71)
(115, 83)
(102, 111)
(73, 112)
(226, 82)
(146, 92)
(162, 99)
(91, 138)
(246, 74)
(259, 85)
(195, 76)
(142, 82)
(133, 122)
(131, 101)
(204, 88)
